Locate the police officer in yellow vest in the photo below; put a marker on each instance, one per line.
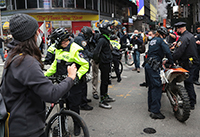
(67, 53)
(116, 55)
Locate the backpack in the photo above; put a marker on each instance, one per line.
(141, 48)
(4, 115)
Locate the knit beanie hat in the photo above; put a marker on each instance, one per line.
(23, 26)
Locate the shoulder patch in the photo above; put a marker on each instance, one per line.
(84, 43)
(81, 55)
(179, 43)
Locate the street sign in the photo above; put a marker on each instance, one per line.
(2, 4)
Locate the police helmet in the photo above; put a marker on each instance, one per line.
(87, 32)
(113, 37)
(162, 30)
(58, 36)
(105, 27)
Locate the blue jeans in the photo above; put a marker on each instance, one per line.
(2, 55)
(136, 57)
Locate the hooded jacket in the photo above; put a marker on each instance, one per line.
(25, 90)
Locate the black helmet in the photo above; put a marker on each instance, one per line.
(162, 30)
(113, 37)
(58, 36)
(105, 27)
(87, 32)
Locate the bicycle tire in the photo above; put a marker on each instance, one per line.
(113, 74)
(129, 58)
(52, 129)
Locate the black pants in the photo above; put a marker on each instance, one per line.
(74, 98)
(84, 94)
(105, 70)
(188, 83)
(196, 73)
(116, 66)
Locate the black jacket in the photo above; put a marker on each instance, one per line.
(187, 48)
(25, 90)
(102, 52)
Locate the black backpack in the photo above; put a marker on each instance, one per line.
(141, 48)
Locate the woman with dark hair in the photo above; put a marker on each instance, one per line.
(25, 88)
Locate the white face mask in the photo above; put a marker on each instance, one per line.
(39, 40)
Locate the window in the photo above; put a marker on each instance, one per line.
(57, 3)
(88, 4)
(69, 3)
(95, 4)
(20, 4)
(80, 4)
(31, 3)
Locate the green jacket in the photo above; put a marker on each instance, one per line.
(52, 48)
(72, 54)
(115, 43)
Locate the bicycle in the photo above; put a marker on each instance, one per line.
(113, 74)
(128, 55)
(61, 124)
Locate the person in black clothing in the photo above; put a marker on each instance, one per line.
(103, 55)
(196, 72)
(1, 49)
(171, 38)
(83, 40)
(187, 57)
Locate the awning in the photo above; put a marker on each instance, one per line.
(6, 25)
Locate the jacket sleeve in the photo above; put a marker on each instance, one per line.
(167, 51)
(52, 69)
(140, 40)
(182, 45)
(30, 74)
(84, 64)
(97, 50)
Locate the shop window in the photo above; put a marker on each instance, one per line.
(31, 3)
(20, 4)
(80, 4)
(95, 4)
(69, 3)
(57, 3)
(89, 4)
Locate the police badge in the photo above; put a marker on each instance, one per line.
(84, 43)
(179, 43)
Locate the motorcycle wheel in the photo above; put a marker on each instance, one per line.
(182, 107)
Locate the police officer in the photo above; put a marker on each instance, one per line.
(65, 54)
(157, 50)
(187, 56)
(103, 55)
(83, 39)
(196, 73)
(116, 55)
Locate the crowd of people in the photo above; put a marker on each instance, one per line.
(73, 59)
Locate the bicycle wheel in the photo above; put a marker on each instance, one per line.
(129, 58)
(113, 74)
(62, 125)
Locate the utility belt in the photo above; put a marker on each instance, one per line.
(153, 63)
(189, 63)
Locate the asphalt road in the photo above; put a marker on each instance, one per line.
(129, 115)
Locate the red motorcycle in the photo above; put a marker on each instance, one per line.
(176, 93)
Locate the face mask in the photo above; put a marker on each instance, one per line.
(179, 33)
(39, 41)
(171, 31)
(149, 38)
(124, 32)
(136, 34)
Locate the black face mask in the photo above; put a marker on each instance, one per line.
(179, 33)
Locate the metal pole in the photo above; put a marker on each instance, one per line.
(45, 36)
(99, 8)
(1, 30)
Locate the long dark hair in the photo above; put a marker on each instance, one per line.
(24, 48)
